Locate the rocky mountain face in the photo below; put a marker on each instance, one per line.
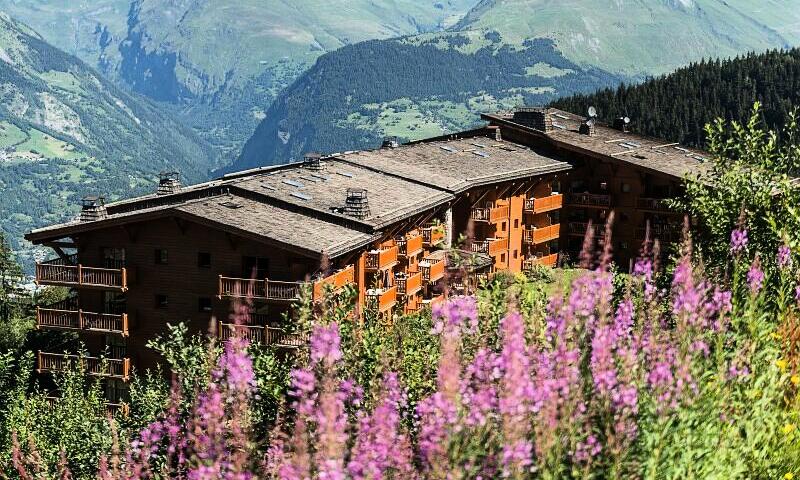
(66, 131)
(500, 54)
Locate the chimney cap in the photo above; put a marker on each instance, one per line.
(390, 141)
(89, 200)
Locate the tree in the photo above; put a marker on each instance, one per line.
(748, 186)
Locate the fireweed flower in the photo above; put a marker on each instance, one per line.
(738, 240)
(459, 313)
(755, 276)
(784, 257)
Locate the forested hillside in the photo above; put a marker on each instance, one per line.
(678, 105)
(494, 59)
(354, 96)
(65, 132)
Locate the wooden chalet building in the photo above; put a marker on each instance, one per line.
(385, 221)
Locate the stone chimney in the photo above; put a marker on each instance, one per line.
(390, 142)
(356, 204)
(312, 161)
(539, 118)
(168, 183)
(93, 208)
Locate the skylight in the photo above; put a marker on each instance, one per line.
(345, 174)
(293, 183)
(480, 153)
(300, 195)
(448, 148)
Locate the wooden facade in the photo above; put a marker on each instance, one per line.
(387, 222)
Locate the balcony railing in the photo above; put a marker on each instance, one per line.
(60, 273)
(664, 233)
(410, 245)
(432, 269)
(262, 335)
(111, 408)
(335, 282)
(489, 214)
(260, 289)
(76, 319)
(384, 298)
(654, 204)
(590, 199)
(433, 235)
(430, 302)
(382, 259)
(491, 246)
(119, 368)
(409, 284)
(546, 260)
(546, 204)
(539, 235)
(579, 228)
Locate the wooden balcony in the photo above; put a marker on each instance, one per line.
(384, 298)
(382, 259)
(652, 204)
(409, 246)
(433, 235)
(545, 204)
(119, 368)
(430, 302)
(63, 317)
(334, 282)
(111, 408)
(590, 199)
(490, 214)
(491, 246)
(432, 269)
(262, 335)
(409, 284)
(57, 272)
(579, 228)
(546, 260)
(535, 236)
(260, 289)
(664, 233)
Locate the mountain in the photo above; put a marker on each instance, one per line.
(678, 105)
(66, 131)
(500, 54)
(218, 64)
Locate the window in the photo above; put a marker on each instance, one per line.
(626, 187)
(257, 266)
(503, 258)
(503, 227)
(161, 256)
(204, 260)
(161, 301)
(515, 254)
(516, 223)
(204, 304)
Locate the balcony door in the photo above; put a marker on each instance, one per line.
(113, 257)
(114, 303)
(117, 346)
(257, 267)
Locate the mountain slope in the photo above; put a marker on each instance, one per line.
(65, 131)
(642, 37)
(601, 40)
(410, 88)
(678, 105)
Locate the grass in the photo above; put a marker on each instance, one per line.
(64, 80)
(11, 135)
(47, 146)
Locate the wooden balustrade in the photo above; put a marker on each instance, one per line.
(432, 269)
(590, 199)
(433, 235)
(409, 284)
(664, 233)
(545, 204)
(111, 408)
(382, 259)
(579, 228)
(334, 282)
(436, 300)
(410, 246)
(654, 204)
(384, 298)
(262, 334)
(546, 260)
(489, 214)
(491, 246)
(99, 367)
(539, 235)
(81, 276)
(260, 289)
(50, 318)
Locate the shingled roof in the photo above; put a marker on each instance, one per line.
(302, 208)
(649, 153)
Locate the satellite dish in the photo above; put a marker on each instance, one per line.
(590, 122)
(627, 120)
(592, 112)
